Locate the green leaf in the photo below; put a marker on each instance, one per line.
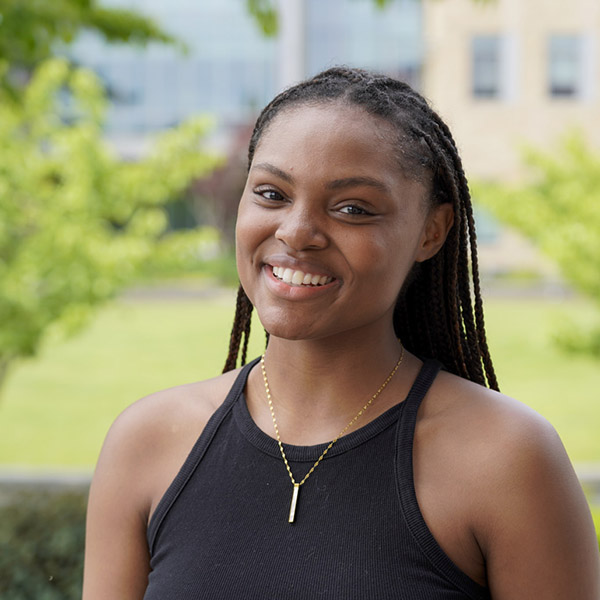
(557, 208)
(77, 224)
(265, 14)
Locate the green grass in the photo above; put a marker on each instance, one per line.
(596, 517)
(531, 367)
(55, 410)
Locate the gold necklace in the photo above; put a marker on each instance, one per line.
(285, 460)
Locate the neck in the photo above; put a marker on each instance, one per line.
(318, 386)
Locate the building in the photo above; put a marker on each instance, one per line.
(231, 69)
(505, 73)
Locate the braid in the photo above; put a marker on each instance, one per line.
(439, 311)
(241, 328)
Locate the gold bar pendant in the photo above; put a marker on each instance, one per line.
(294, 502)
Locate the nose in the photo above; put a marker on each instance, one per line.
(302, 228)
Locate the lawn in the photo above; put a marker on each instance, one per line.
(55, 410)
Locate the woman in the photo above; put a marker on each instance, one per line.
(345, 464)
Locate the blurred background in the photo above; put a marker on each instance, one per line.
(123, 136)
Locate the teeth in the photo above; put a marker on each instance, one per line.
(299, 277)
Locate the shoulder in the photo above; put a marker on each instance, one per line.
(511, 482)
(149, 441)
(143, 451)
(169, 411)
(496, 438)
(486, 419)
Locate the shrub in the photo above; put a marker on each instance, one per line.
(41, 546)
(558, 209)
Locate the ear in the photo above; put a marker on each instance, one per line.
(437, 225)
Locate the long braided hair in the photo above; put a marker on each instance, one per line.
(439, 311)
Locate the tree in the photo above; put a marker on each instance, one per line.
(77, 224)
(221, 191)
(559, 210)
(30, 30)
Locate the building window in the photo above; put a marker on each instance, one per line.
(565, 66)
(486, 65)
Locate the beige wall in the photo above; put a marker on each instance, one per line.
(489, 132)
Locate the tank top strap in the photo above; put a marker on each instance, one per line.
(240, 382)
(406, 487)
(406, 433)
(408, 419)
(421, 385)
(197, 452)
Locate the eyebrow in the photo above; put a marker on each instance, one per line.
(337, 184)
(358, 181)
(275, 171)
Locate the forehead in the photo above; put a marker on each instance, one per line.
(332, 136)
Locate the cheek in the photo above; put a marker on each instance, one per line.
(384, 262)
(247, 227)
(250, 231)
(243, 235)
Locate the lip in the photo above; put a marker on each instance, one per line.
(295, 292)
(289, 262)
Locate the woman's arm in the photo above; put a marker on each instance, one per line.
(143, 451)
(539, 539)
(116, 552)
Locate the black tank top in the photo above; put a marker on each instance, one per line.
(221, 530)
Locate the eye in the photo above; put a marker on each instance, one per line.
(269, 194)
(353, 209)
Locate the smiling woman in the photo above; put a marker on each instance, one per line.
(345, 213)
(356, 246)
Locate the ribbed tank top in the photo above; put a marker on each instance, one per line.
(221, 530)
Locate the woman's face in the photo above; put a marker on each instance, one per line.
(328, 227)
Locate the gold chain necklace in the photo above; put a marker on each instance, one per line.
(285, 460)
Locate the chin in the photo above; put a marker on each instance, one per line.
(288, 327)
(287, 331)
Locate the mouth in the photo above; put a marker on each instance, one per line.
(298, 278)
